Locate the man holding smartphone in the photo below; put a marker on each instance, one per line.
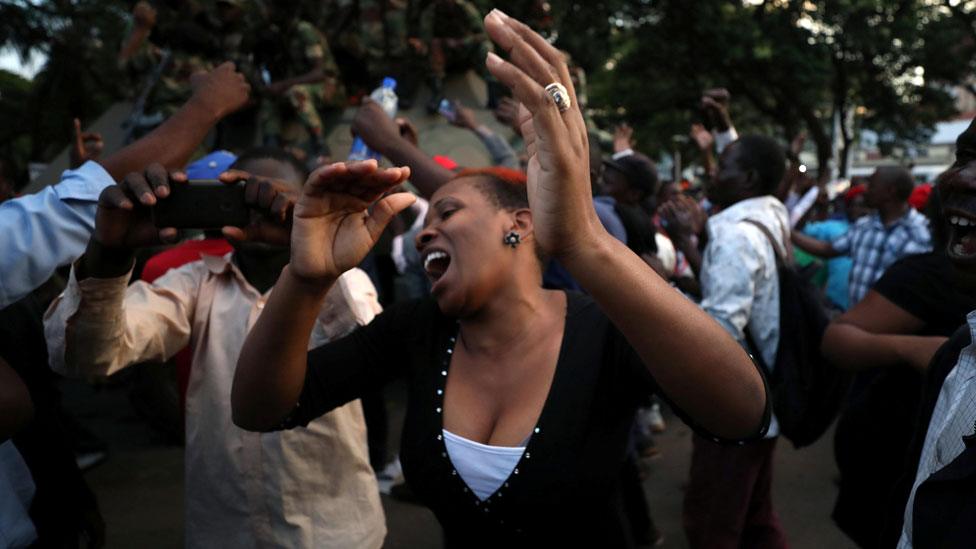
(309, 487)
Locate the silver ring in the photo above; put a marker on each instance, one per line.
(560, 96)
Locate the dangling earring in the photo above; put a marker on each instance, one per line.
(513, 239)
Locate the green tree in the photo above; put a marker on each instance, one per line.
(80, 78)
(790, 65)
(15, 145)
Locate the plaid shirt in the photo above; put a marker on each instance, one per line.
(874, 247)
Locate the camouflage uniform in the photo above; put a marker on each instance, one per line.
(236, 40)
(383, 32)
(370, 40)
(537, 14)
(459, 20)
(304, 47)
(238, 36)
(173, 88)
(187, 34)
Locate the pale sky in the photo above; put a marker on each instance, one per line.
(10, 61)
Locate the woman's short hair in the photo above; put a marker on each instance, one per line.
(505, 187)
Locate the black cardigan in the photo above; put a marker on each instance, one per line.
(944, 515)
(564, 490)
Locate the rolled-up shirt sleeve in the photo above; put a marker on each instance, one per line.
(99, 326)
(42, 231)
(352, 302)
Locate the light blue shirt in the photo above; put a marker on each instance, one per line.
(42, 231)
(838, 268)
(605, 210)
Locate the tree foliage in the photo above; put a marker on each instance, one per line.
(791, 66)
(80, 79)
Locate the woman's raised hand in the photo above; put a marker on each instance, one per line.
(341, 213)
(560, 192)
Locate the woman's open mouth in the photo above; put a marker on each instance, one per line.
(436, 263)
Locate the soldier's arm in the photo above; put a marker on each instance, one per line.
(219, 93)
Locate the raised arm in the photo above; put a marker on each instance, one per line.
(382, 134)
(42, 231)
(700, 367)
(706, 144)
(143, 21)
(215, 95)
(876, 333)
(100, 324)
(330, 235)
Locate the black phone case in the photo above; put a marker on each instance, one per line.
(202, 204)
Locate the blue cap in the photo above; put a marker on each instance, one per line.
(390, 82)
(210, 166)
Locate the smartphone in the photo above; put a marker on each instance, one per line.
(448, 110)
(202, 204)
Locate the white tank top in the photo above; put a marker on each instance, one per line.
(483, 468)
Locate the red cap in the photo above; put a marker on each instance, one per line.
(854, 192)
(920, 196)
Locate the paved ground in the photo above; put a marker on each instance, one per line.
(140, 486)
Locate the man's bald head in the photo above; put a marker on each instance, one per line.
(889, 184)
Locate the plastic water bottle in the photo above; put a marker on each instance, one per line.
(386, 97)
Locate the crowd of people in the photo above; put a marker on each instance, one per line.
(539, 310)
(304, 60)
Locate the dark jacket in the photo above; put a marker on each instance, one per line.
(944, 514)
